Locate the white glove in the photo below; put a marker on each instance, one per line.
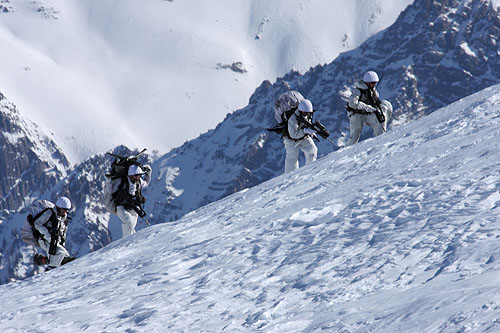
(309, 131)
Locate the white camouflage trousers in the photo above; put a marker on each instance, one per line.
(293, 149)
(54, 259)
(357, 121)
(128, 219)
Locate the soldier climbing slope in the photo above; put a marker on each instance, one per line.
(365, 107)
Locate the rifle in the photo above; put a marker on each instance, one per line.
(379, 114)
(376, 101)
(120, 165)
(126, 201)
(125, 158)
(54, 236)
(317, 127)
(140, 211)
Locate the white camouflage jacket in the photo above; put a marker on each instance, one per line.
(354, 100)
(44, 225)
(295, 129)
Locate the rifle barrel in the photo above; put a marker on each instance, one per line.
(140, 153)
(123, 157)
(114, 155)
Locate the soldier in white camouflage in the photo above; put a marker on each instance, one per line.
(365, 107)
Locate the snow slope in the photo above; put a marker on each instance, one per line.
(396, 234)
(424, 69)
(162, 72)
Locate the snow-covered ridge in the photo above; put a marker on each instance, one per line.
(398, 233)
(239, 153)
(160, 71)
(30, 164)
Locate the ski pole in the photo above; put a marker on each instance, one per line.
(383, 128)
(333, 143)
(147, 222)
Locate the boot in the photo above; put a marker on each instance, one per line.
(39, 259)
(67, 259)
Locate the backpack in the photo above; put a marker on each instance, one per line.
(119, 170)
(119, 167)
(284, 107)
(110, 187)
(29, 234)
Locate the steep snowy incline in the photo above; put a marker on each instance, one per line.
(162, 72)
(396, 234)
(422, 56)
(418, 80)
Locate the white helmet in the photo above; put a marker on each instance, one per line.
(63, 202)
(370, 76)
(305, 106)
(135, 170)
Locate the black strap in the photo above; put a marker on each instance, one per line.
(123, 198)
(370, 97)
(54, 236)
(299, 139)
(370, 100)
(31, 220)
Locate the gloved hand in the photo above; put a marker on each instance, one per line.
(146, 168)
(309, 131)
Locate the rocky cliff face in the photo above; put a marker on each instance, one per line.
(90, 224)
(30, 162)
(435, 53)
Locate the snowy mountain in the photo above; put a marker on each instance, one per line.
(162, 72)
(74, 68)
(239, 153)
(31, 161)
(363, 240)
(91, 226)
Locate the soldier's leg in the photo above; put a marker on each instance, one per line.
(356, 122)
(310, 150)
(54, 259)
(372, 121)
(292, 155)
(128, 219)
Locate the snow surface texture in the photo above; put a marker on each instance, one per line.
(237, 154)
(396, 234)
(162, 72)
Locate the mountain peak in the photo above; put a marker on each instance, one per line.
(32, 161)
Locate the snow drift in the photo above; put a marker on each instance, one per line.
(395, 234)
